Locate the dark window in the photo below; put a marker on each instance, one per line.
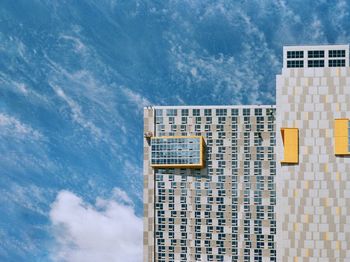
(196, 112)
(159, 112)
(315, 54)
(258, 112)
(184, 112)
(295, 63)
(295, 54)
(246, 111)
(336, 53)
(221, 112)
(171, 112)
(315, 63)
(207, 112)
(336, 63)
(234, 111)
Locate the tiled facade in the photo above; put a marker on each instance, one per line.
(263, 193)
(225, 211)
(313, 196)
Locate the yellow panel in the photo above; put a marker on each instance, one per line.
(307, 218)
(337, 211)
(295, 227)
(290, 137)
(341, 127)
(325, 236)
(338, 176)
(341, 140)
(337, 245)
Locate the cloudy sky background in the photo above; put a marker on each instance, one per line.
(74, 77)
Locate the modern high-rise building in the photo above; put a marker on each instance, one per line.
(210, 183)
(313, 184)
(254, 183)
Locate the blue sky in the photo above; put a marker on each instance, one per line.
(74, 77)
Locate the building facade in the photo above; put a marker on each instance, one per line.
(313, 192)
(210, 183)
(255, 183)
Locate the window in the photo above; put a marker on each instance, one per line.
(315, 53)
(219, 128)
(234, 112)
(177, 151)
(295, 54)
(184, 112)
(171, 120)
(315, 63)
(234, 127)
(221, 120)
(159, 112)
(171, 112)
(336, 63)
(336, 53)
(207, 112)
(295, 63)
(221, 112)
(246, 111)
(196, 112)
(208, 120)
(258, 111)
(159, 120)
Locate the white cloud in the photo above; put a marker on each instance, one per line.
(77, 114)
(10, 126)
(78, 44)
(318, 35)
(135, 98)
(108, 231)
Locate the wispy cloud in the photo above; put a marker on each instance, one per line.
(11, 126)
(107, 231)
(339, 17)
(77, 114)
(78, 45)
(231, 70)
(318, 35)
(135, 98)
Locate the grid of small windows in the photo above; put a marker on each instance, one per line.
(295, 63)
(315, 63)
(184, 112)
(315, 53)
(221, 112)
(207, 112)
(336, 53)
(336, 63)
(170, 151)
(228, 209)
(234, 111)
(258, 111)
(295, 54)
(196, 112)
